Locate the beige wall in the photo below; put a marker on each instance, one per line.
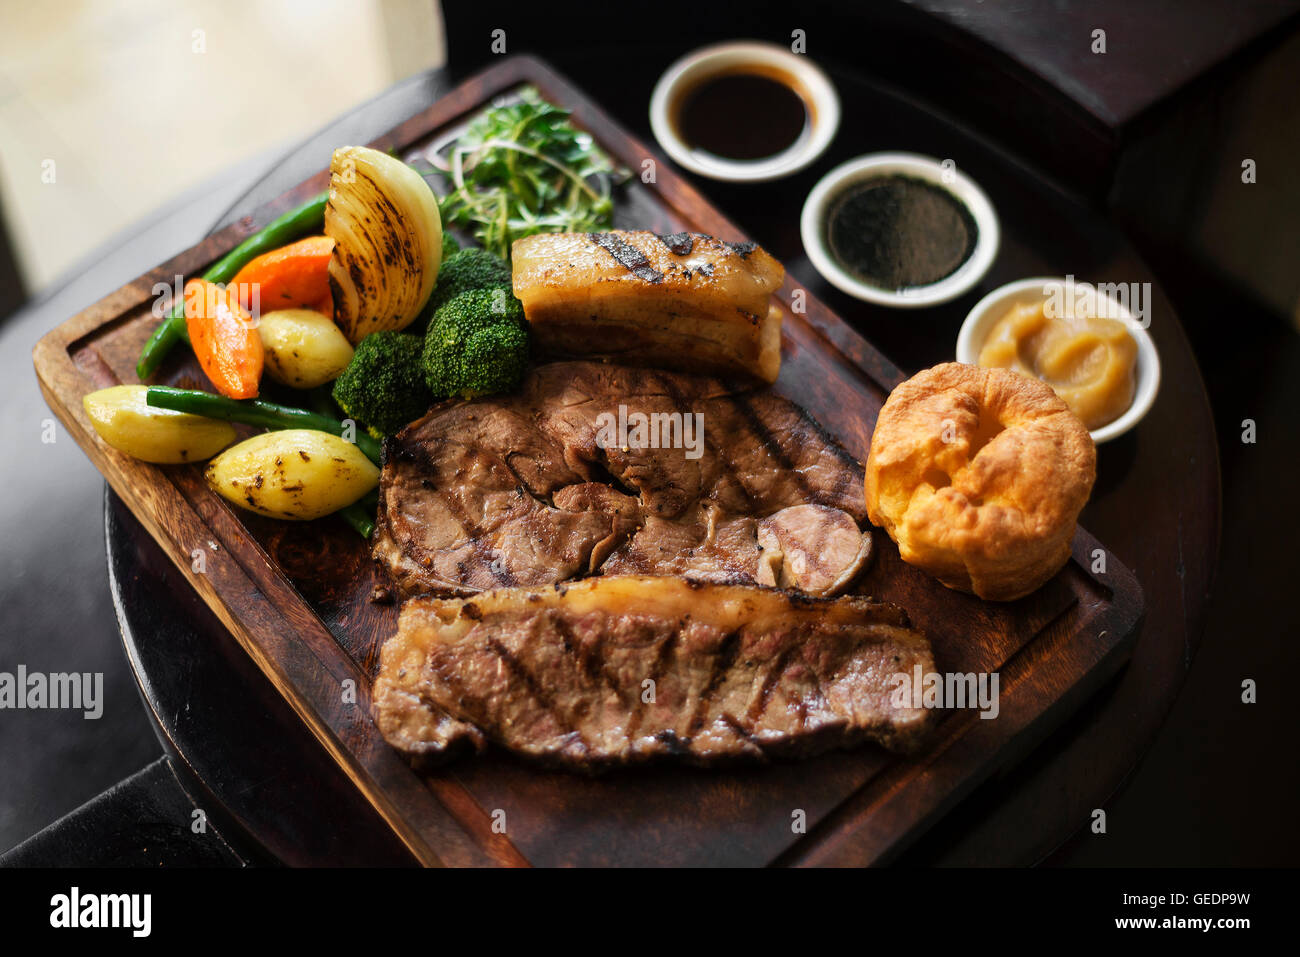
(110, 109)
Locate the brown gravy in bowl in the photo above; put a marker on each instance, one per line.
(743, 115)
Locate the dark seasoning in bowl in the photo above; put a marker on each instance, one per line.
(898, 232)
(745, 114)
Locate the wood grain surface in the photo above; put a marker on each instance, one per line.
(297, 597)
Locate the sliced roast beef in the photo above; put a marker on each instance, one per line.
(625, 669)
(528, 490)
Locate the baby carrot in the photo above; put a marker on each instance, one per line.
(224, 337)
(293, 276)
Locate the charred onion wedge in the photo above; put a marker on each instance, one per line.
(387, 236)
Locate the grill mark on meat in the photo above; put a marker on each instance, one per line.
(710, 447)
(841, 485)
(679, 244)
(410, 547)
(591, 660)
(819, 700)
(628, 256)
(763, 434)
(722, 662)
(813, 553)
(415, 453)
(535, 690)
(813, 433)
(418, 454)
(806, 434)
(843, 480)
(567, 638)
(759, 707)
(474, 707)
(657, 668)
(674, 395)
(741, 730)
(484, 554)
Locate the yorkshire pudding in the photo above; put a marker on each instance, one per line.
(979, 476)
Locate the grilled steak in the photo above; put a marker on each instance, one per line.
(682, 301)
(624, 670)
(525, 489)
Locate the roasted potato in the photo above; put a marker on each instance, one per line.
(127, 422)
(304, 349)
(296, 474)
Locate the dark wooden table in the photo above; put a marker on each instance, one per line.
(1156, 505)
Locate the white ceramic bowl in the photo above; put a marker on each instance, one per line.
(815, 88)
(994, 306)
(929, 169)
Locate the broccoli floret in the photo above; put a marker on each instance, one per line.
(476, 345)
(466, 270)
(449, 247)
(463, 270)
(383, 386)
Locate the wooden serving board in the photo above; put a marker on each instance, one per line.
(297, 597)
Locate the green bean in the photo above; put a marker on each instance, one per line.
(306, 219)
(259, 412)
(359, 517)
